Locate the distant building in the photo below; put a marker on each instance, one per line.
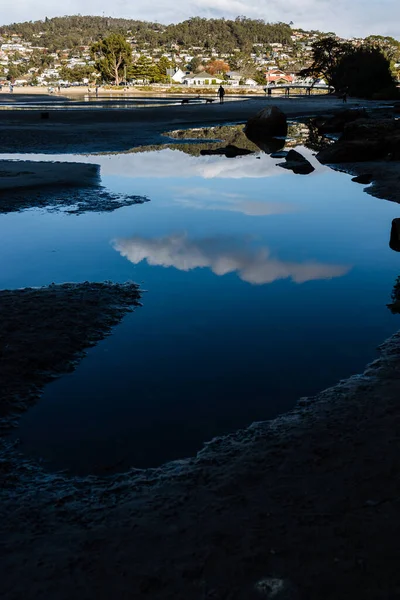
(176, 75)
(202, 79)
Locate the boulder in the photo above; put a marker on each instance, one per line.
(371, 129)
(281, 154)
(269, 145)
(357, 151)
(268, 123)
(364, 178)
(395, 235)
(230, 151)
(297, 163)
(338, 122)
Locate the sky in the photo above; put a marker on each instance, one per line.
(348, 19)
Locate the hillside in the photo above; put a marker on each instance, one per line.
(223, 35)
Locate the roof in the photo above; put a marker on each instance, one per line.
(202, 75)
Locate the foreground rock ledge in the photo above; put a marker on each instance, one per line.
(45, 331)
(305, 506)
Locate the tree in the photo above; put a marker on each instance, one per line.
(244, 64)
(143, 69)
(160, 70)
(365, 71)
(217, 67)
(195, 64)
(112, 56)
(327, 53)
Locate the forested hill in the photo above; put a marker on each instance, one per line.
(223, 35)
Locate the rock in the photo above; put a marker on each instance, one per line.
(230, 151)
(297, 163)
(395, 235)
(364, 178)
(356, 151)
(371, 130)
(281, 154)
(363, 140)
(269, 145)
(269, 122)
(384, 131)
(338, 122)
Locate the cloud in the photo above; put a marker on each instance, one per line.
(210, 199)
(223, 255)
(346, 18)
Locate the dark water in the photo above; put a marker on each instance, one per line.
(262, 286)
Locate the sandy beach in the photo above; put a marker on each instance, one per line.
(303, 507)
(102, 130)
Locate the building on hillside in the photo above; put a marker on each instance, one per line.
(202, 79)
(277, 77)
(176, 75)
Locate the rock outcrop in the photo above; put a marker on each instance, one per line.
(297, 163)
(270, 122)
(365, 140)
(338, 122)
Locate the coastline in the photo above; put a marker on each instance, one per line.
(101, 130)
(303, 506)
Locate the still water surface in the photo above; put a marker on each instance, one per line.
(261, 286)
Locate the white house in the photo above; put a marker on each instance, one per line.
(176, 75)
(202, 79)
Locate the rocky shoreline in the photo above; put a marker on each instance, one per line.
(303, 506)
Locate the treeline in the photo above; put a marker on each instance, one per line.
(221, 34)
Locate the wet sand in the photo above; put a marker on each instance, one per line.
(46, 331)
(106, 130)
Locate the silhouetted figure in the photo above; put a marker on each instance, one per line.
(308, 91)
(269, 92)
(221, 94)
(11, 88)
(97, 91)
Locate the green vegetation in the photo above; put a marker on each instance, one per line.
(362, 71)
(223, 35)
(112, 56)
(365, 72)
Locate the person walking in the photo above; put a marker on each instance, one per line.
(221, 94)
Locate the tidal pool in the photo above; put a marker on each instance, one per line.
(261, 286)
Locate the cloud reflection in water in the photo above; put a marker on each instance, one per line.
(223, 255)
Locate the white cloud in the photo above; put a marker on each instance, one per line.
(210, 199)
(254, 265)
(344, 17)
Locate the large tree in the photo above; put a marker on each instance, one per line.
(217, 67)
(327, 53)
(112, 56)
(364, 72)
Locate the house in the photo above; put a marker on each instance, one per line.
(276, 76)
(201, 79)
(176, 75)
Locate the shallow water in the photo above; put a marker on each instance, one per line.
(261, 286)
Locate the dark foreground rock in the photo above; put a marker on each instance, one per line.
(46, 332)
(364, 178)
(365, 140)
(297, 163)
(302, 507)
(268, 123)
(337, 122)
